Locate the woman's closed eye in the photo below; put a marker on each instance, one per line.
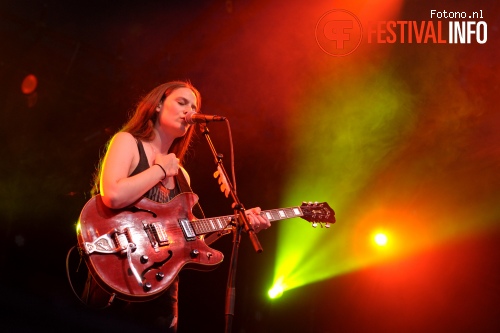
(183, 102)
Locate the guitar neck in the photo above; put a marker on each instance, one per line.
(205, 226)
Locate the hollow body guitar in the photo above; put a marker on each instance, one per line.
(136, 252)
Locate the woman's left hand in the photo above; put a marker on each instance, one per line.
(257, 220)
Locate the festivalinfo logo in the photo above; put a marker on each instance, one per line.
(339, 32)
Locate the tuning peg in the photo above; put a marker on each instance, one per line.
(314, 224)
(327, 225)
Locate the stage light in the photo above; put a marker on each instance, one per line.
(29, 84)
(28, 88)
(276, 291)
(380, 239)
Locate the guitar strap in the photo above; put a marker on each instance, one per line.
(183, 185)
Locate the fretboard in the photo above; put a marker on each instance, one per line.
(205, 226)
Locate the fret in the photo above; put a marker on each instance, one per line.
(282, 213)
(200, 226)
(289, 213)
(212, 225)
(205, 226)
(196, 227)
(297, 211)
(219, 223)
(275, 214)
(224, 221)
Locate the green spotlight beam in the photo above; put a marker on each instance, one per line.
(352, 137)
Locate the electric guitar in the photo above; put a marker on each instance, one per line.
(136, 252)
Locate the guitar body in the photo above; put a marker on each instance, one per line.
(137, 252)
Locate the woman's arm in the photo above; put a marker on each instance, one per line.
(118, 190)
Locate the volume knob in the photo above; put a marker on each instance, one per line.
(195, 253)
(160, 276)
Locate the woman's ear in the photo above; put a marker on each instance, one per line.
(158, 108)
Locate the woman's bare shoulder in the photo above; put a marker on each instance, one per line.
(123, 138)
(122, 144)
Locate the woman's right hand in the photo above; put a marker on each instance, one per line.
(170, 163)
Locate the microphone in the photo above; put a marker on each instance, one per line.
(195, 118)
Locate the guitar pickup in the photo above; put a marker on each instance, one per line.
(157, 234)
(187, 229)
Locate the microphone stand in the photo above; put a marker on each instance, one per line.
(242, 223)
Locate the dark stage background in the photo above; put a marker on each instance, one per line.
(256, 62)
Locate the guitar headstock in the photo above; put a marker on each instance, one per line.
(318, 212)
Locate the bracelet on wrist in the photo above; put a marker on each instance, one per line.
(165, 174)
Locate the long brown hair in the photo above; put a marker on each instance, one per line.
(141, 122)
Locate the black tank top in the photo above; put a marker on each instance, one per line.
(159, 192)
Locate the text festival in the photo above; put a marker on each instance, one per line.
(459, 32)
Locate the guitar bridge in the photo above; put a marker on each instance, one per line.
(112, 242)
(156, 234)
